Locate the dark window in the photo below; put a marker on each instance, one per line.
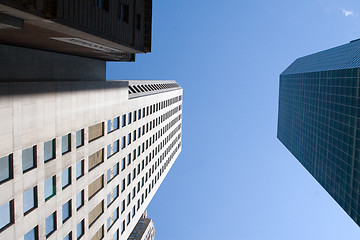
(103, 4)
(29, 158)
(138, 22)
(124, 13)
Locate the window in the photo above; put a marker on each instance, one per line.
(129, 139)
(112, 124)
(80, 138)
(128, 179)
(112, 148)
(123, 142)
(32, 234)
(66, 143)
(96, 159)
(129, 118)
(134, 116)
(122, 164)
(116, 235)
(6, 168)
(124, 13)
(80, 229)
(103, 4)
(112, 172)
(113, 195)
(122, 206)
(112, 219)
(50, 187)
(95, 186)
(138, 22)
(96, 131)
(123, 227)
(6, 215)
(66, 211)
(30, 200)
(79, 169)
(29, 158)
(79, 200)
(123, 120)
(68, 237)
(49, 150)
(50, 224)
(128, 159)
(66, 177)
(122, 185)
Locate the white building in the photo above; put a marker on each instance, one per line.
(82, 160)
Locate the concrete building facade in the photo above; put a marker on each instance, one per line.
(111, 30)
(319, 120)
(82, 160)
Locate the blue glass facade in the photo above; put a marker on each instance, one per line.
(319, 120)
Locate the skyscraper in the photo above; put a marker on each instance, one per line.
(82, 160)
(99, 29)
(319, 120)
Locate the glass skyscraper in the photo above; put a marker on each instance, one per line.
(319, 120)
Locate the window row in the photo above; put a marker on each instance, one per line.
(151, 87)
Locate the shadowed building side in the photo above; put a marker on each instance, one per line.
(101, 29)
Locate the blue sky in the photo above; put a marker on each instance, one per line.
(234, 180)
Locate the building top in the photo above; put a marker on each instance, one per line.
(100, 29)
(342, 57)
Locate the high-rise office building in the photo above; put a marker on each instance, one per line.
(101, 29)
(319, 120)
(144, 230)
(82, 160)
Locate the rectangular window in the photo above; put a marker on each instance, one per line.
(112, 148)
(68, 237)
(66, 144)
(134, 135)
(96, 131)
(50, 224)
(123, 120)
(29, 158)
(95, 186)
(66, 211)
(138, 22)
(49, 150)
(50, 187)
(123, 185)
(79, 169)
(112, 172)
(122, 206)
(80, 138)
(112, 124)
(103, 4)
(96, 159)
(80, 229)
(112, 219)
(122, 164)
(139, 114)
(124, 13)
(79, 200)
(7, 215)
(112, 196)
(66, 177)
(116, 235)
(129, 139)
(123, 227)
(96, 212)
(6, 168)
(128, 159)
(30, 200)
(134, 116)
(32, 234)
(99, 234)
(123, 142)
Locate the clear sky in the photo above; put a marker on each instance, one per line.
(233, 179)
